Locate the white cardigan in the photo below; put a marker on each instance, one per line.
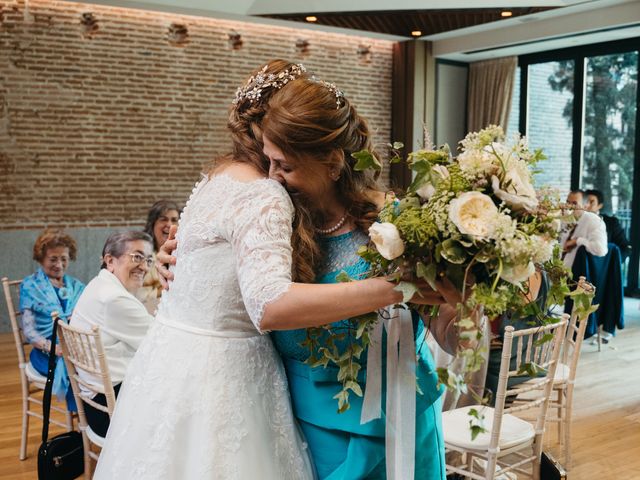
(590, 233)
(122, 318)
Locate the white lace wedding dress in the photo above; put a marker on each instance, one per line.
(206, 396)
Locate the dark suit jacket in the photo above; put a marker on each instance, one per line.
(615, 234)
(605, 273)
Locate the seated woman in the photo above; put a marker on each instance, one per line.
(162, 215)
(109, 303)
(46, 291)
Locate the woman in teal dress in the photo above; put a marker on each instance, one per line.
(304, 135)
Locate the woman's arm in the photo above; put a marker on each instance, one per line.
(312, 305)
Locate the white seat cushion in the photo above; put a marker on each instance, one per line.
(94, 437)
(455, 425)
(33, 375)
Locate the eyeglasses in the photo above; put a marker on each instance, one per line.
(138, 259)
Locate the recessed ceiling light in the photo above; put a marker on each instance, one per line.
(416, 33)
(506, 13)
(311, 18)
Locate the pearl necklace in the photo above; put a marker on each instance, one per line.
(327, 231)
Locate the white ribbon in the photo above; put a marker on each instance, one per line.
(401, 390)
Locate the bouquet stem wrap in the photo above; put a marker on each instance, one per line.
(401, 390)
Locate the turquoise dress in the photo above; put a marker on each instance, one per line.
(342, 448)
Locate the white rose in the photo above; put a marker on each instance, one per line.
(387, 240)
(517, 274)
(474, 214)
(426, 191)
(519, 192)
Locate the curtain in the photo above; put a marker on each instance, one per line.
(490, 92)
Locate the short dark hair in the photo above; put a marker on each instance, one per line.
(596, 193)
(117, 242)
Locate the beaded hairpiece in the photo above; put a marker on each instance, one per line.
(252, 91)
(333, 89)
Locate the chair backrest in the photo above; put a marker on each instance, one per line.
(575, 336)
(539, 346)
(83, 351)
(11, 290)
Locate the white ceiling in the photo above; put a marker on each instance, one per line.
(579, 21)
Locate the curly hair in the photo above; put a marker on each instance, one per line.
(302, 120)
(245, 118)
(52, 238)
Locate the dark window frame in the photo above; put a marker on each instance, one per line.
(579, 55)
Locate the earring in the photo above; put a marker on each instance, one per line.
(335, 175)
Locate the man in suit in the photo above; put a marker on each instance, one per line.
(615, 232)
(589, 231)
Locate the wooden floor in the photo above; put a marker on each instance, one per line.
(606, 425)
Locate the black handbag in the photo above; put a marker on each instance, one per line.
(550, 469)
(62, 457)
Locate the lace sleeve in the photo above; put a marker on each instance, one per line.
(261, 239)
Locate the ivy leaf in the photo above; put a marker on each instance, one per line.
(547, 337)
(476, 430)
(354, 387)
(343, 277)
(428, 273)
(365, 160)
(343, 401)
(407, 289)
(453, 252)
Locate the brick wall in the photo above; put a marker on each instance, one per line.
(94, 129)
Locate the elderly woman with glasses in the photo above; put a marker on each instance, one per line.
(109, 302)
(49, 290)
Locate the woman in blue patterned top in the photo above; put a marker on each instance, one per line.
(309, 132)
(48, 290)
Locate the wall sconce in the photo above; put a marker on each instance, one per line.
(364, 52)
(302, 45)
(235, 40)
(89, 24)
(178, 35)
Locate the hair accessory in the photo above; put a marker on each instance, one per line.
(332, 88)
(261, 81)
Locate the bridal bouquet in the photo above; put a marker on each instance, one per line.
(478, 221)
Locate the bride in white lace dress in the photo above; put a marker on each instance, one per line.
(206, 396)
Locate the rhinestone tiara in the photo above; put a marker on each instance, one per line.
(252, 91)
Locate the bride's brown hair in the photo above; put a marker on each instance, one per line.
(245, 117)
(312, 121)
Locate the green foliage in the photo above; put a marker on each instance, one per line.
(366, 160)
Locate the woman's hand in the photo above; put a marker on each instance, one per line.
(164, 258)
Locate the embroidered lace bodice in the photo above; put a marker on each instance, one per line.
(241, 232)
